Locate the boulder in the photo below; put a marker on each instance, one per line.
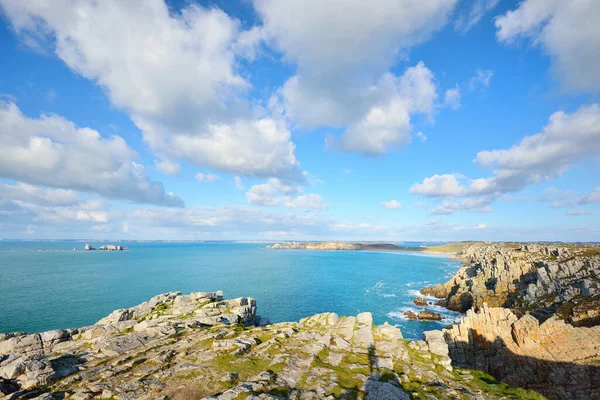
(420, 301)
(429, 316)
(410, 315)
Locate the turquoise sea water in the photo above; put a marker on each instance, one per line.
(47, 285)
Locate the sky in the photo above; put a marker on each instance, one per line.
(390, 120)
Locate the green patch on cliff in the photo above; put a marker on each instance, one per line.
(487, 383)
(245, 366)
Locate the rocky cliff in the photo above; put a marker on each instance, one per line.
(541, 280)
(200, 346)
(533, 316)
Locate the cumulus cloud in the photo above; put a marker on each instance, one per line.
(481, 80)
(343, 56)
(452, 98)
(52, 151)
(279, 192)
(391, 205)
(168, 167)
(202, 177)
(477, 204)
(566, 140)
(566, 30)
(439, 186)
(470, 16)
(38, 195)
(173, 73)
(386, 124)
(29, 209)
(593, 197)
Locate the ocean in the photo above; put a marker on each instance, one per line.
(48, 285)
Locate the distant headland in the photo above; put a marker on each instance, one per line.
(449, 248)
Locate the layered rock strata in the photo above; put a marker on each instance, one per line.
(553, 358)
(532, 316)
(542, 280)
(200, 346)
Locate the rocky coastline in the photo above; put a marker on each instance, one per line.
(347, 246)
(533, 316)
(195, 346)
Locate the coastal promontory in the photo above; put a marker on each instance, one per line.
(533, 316)
(195, 346)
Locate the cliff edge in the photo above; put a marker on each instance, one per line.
(533, 316)
(197, 346)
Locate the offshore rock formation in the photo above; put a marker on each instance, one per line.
(201, 346)
(540, 330)
(107, 247)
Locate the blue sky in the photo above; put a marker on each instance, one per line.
(269, 120)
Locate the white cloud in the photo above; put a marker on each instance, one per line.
(238, 183)
(343, 56)
(578, 212)
(168, 167)
(452, 98)
(125, 227)
(568, 33)
(307, 201)
(565, 140)
(593, 197)
(287, 193)
(52, 151)
(391, 205)
(173, 73)
(202, 177)
(347, 171)
(481, 80)
(475, 12)
(272, 193)
(38, 195)
(467, 228)
(386, 125)
(476, 204)
(439, 186)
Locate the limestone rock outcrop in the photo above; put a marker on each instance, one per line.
(533, 315)
(197, 346)
(554, 358)
(528, 278)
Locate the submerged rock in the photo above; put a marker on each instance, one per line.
(410, 315)
(429, 316)
(420, 301)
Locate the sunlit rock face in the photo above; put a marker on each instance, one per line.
(196, 346)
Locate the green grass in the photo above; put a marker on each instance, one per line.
(488, 384)
(449, 248)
